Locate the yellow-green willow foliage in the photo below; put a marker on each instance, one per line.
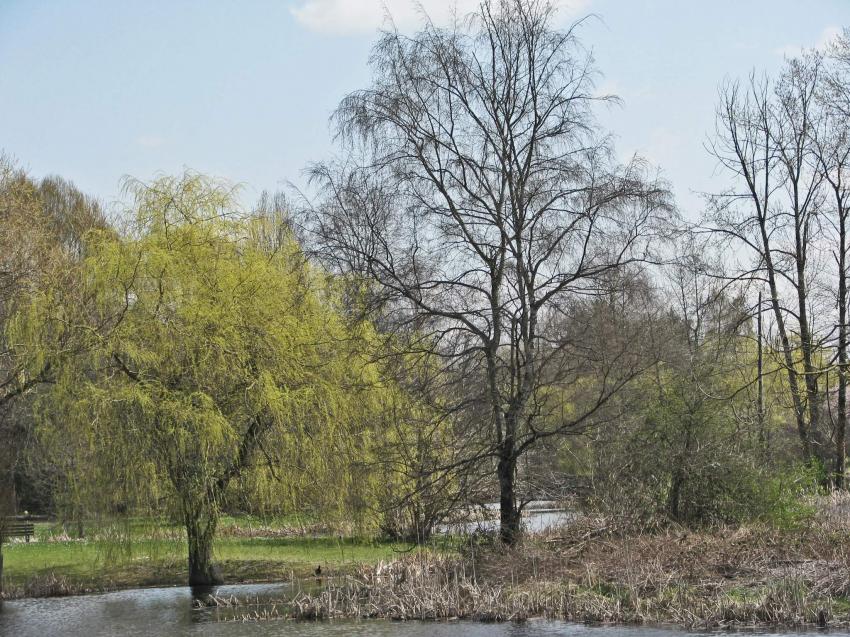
(210, 355)
(417, 458)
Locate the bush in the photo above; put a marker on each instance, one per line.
(686, 458)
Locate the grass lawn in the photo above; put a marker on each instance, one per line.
(157, 556)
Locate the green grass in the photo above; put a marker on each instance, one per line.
(144, 554)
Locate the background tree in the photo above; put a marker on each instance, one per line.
(785, 142)
(770, 216)
(43, 225)
(831, 147)
(691, 446)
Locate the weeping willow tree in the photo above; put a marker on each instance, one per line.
(211, 351)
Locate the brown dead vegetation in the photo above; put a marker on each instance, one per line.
(595, 572)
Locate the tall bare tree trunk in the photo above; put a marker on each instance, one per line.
(807, 341)
(841, 423)
(760, 368)
(803, 427)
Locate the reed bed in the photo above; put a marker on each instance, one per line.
(594, 572)
(47, 585)
(444, 589)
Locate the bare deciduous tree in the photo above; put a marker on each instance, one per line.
(770, 217)
(478, 193)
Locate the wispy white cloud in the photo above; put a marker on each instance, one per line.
(345, 17)
(150, 141)
(793, 50)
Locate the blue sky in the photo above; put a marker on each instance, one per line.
(94, 90)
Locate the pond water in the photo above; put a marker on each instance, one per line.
(540, 516)
(170, 612)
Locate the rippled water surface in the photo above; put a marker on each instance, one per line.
(170, 612)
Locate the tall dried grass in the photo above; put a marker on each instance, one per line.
(595, 572)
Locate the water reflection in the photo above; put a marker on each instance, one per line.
(202, 592)
(153, 611)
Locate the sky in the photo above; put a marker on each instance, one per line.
(98, 90)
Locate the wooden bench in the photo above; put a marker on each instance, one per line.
(16, 528)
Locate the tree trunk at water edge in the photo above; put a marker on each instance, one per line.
(199, 533)
(509, 518)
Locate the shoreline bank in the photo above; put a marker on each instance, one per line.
(749, 577)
